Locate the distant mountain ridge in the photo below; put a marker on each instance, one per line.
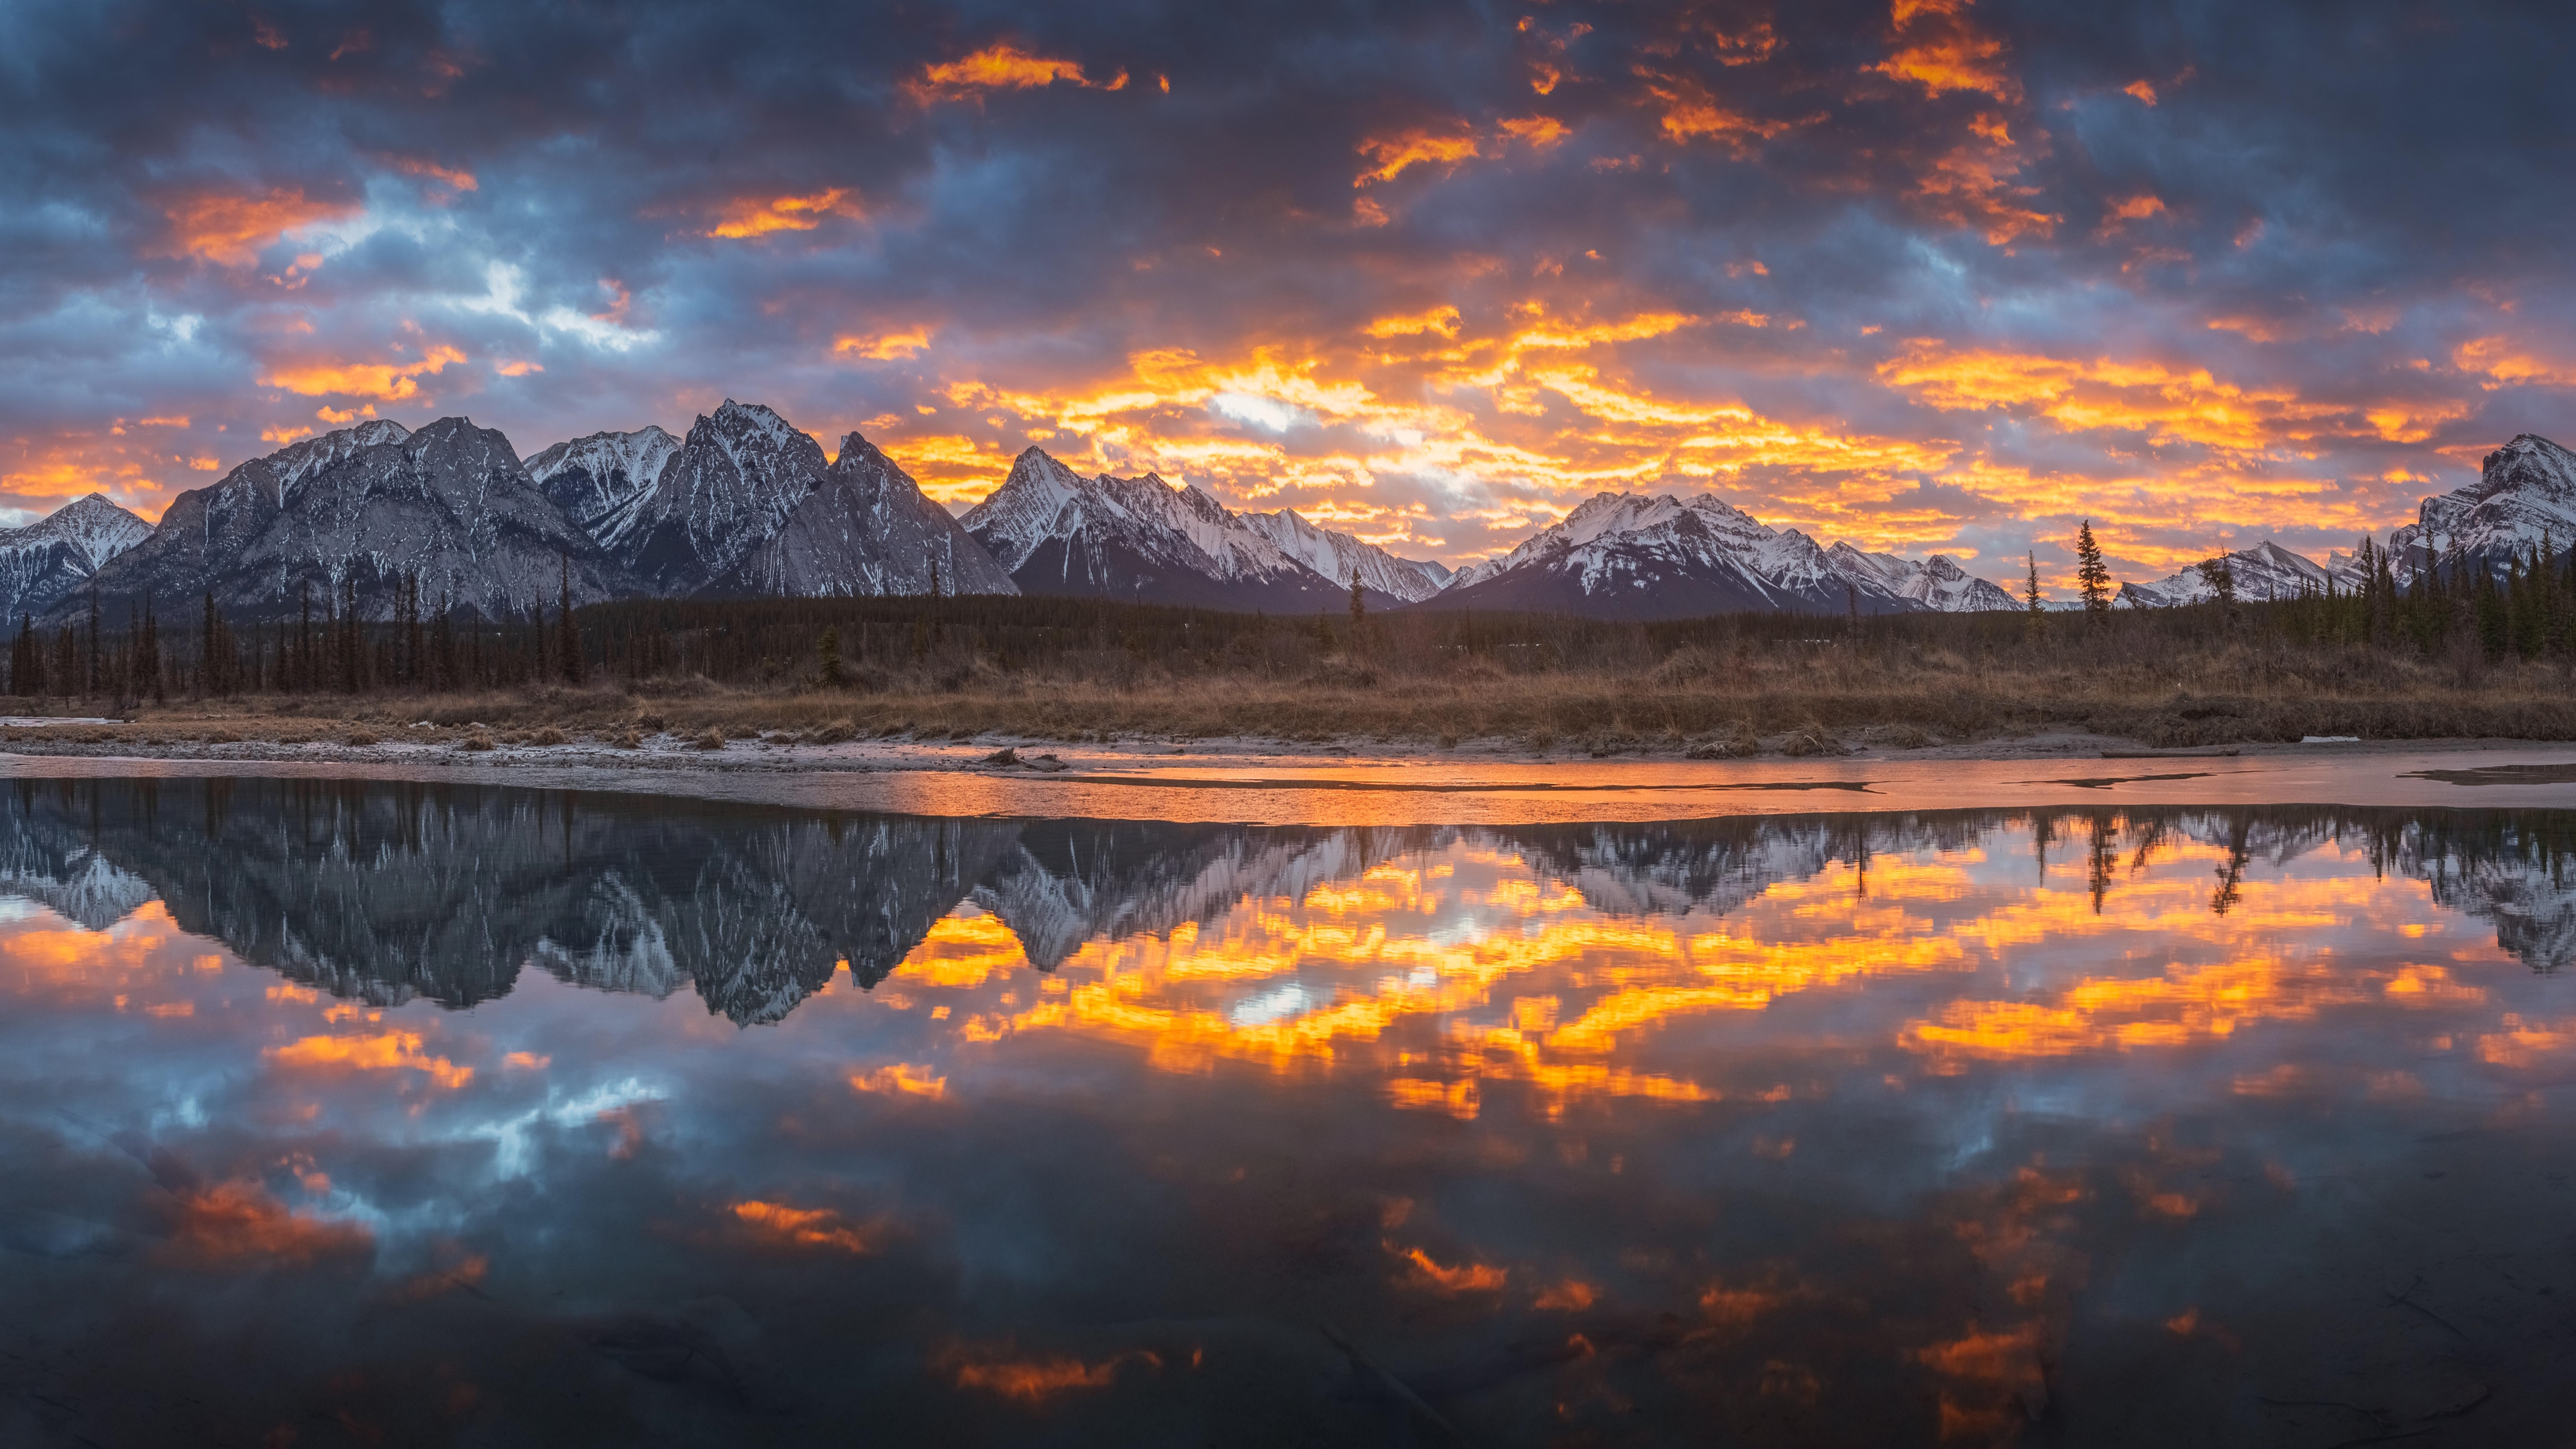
(745, 504)
(1139, 540)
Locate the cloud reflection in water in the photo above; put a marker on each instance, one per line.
(526, 1117)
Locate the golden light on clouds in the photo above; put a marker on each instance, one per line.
(755, 217)
(1005, 67)
(382, 381)
(232, 228)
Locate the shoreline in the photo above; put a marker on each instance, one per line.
(1037, 757)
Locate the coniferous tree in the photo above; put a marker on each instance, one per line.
(92, 677)
(2091, 577)
(147, 656)
(568, 645)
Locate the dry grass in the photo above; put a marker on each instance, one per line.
(1780, 696)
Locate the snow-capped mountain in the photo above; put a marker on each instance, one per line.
(1637, 556)
(730, 486)
(2265, 571)
(1936, 583)
(602, 481)
(866, 528)
(2525, 493)
(1138, 539)
(449, 503)
(49, 559)
(1338, 555)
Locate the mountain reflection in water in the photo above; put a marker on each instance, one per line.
(2098, 1127)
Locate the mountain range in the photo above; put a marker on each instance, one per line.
(747, 505)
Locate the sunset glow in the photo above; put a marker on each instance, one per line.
(1946, 280)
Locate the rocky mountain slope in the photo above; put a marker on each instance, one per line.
(2265, 571)
(1637, 556)
(1139, 540)
(865, 529)
(1338, 556)
(2525, 495)
(727, 490)
(49, 560)
(601, 481)
(365, 504)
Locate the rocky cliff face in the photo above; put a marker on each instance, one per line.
(449, 503)
(601, 482)
(731, 486)
(865, 529)
(2525, 496)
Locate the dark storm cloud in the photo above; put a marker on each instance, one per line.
(2003, 261)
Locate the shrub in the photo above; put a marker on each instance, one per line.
(362, 737)
(631, 740)
(547, 736)
(476, 741)
(713, 739)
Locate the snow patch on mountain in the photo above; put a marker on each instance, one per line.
(2525, 495)
(1337, 556)
(1658, 556)
(51, 558)
(1057, 532)
(602, 480)
(2264, 572)
(730, 487)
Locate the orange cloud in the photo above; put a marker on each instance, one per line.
(1033, 1380)
(1464, 1278)
(374, 1052)
(1004, 67)
(2170, 405)
(230, 228)
(786, 1227)
(2505, 362)
(758, 217)
(1943, 52)
(229, 1224)
(1689, 112)
(382, 381)
(2143, 90)
(901, 1079)
(454, 180)
(885, 347)
(1415, 147)
(1539, 131)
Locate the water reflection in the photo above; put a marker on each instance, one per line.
(1987, 1127)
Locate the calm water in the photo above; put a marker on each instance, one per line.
(370, 1113)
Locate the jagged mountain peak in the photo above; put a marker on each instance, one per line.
(866, 528)
(93, 525)
(1642, 555)
(1140, 539)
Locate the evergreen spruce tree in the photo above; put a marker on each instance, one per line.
(2091, 577)
(830, 656)
(568, 642)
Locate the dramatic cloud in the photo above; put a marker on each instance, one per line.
(1929, 275)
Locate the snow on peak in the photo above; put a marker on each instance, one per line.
(1338, 556)
(2265, 571)
(95, 527)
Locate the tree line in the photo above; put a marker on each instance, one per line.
(2454, 607)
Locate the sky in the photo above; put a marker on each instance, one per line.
(1930, 276)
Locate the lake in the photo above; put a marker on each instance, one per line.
(393, 1112)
